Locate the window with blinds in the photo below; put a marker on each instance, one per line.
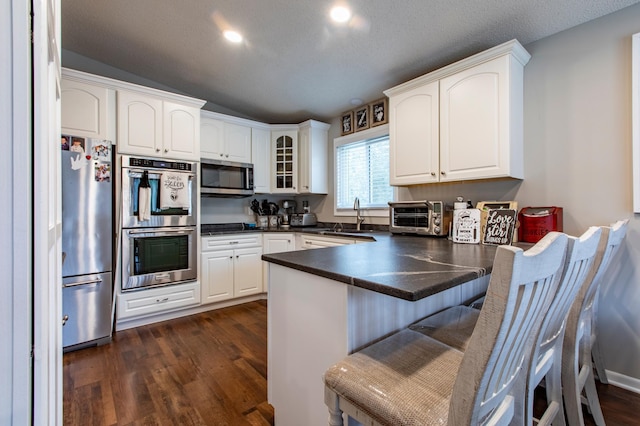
(362, 170)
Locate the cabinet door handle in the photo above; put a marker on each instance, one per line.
(166, 299)
(234, 242)
(166, 150)
(433, 173)
(443, 173)
(64, 320)
(157, 149)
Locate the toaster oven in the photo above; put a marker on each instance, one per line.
(430, 218)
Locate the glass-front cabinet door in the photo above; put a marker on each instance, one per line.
(285, 161)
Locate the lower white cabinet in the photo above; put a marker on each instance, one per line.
(308, 241)
(231, 267)
(275, 242)
(155, 300)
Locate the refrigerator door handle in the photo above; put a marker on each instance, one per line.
(79, 283)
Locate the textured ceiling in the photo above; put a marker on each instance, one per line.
(294, 64)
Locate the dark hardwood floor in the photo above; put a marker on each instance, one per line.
(206, 369)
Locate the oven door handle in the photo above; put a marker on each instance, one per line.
(156, 175)
(160, 233)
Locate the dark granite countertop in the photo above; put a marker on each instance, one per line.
(407, 267)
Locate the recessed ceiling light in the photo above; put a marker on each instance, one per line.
(232, 36)
(356, 101)
(340, 14)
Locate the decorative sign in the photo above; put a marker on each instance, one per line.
(500, 226)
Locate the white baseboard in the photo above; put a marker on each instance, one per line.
(151, 319)
(625, 382)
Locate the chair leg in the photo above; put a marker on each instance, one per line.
(596, 353)
(592, 398)
(553, 382)
(335, 413)
(571, 392)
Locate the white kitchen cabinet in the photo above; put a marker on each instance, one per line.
(414, 136)
(151, 126)
(141, 303)
(312, 158)
(87, 109)
(284, 151)
(261, 159)
(278, 242)
(231, 267)
(275, 242)
(461, 122)
(223, 140)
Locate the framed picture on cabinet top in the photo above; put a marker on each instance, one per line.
(347, 123)
(362, 118)
(379, 112)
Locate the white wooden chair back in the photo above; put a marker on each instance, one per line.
(520, 291)
(577, 367)
(546, 357)
(580, 256)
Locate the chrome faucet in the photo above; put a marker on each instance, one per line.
(356, 207)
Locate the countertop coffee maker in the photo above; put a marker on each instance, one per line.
(289, 207)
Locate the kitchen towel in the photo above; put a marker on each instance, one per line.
(144, 198)
(173, 191)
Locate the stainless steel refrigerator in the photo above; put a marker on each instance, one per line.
(87, 244)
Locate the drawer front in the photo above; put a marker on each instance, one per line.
(318, 242)
(156, 300)
(233, 241)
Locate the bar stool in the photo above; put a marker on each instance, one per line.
(577, 367)
(409, 378)
(454, 326)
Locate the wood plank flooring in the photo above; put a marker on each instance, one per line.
(206, 369)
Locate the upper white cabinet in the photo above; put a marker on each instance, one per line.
(461, 122)
(414, 131)
(87, 107)
(224, 140)
(152, 126)
(312, 158)
(284, 149)
(261, 158)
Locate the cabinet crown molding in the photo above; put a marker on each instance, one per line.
(111, 83)
(512, 47)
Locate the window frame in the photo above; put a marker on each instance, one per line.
(356, 137)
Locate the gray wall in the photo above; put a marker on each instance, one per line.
(578, 155)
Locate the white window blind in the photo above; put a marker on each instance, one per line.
(362, 170)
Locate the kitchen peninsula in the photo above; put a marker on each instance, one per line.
(325, 304)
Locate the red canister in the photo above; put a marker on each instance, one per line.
(536, 222)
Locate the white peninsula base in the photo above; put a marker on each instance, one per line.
(313, 322)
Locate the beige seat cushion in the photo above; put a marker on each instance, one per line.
(405, 379)
(452, 326)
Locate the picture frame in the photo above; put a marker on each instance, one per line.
(361, 118)
(379, 112)
(346, 121)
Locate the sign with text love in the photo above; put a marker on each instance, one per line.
(501, 224)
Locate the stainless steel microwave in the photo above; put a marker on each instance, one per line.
(226, 179)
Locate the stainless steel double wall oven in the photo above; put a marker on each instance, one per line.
(159, 219)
